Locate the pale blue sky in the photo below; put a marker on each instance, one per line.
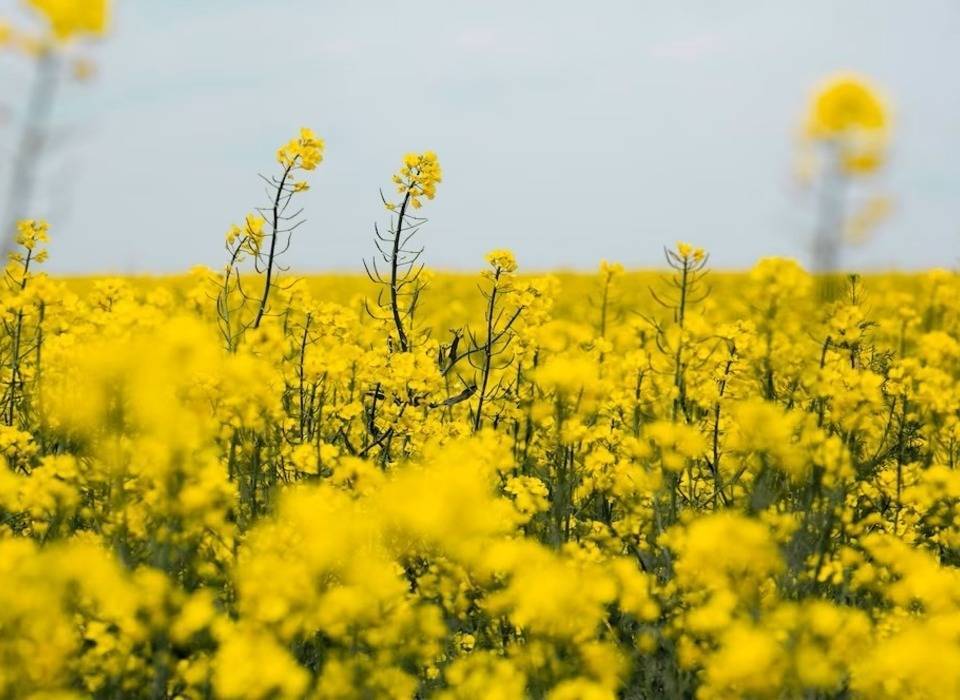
(568, 131)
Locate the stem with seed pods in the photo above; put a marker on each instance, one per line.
(273, 244)
(15, 379)
(487, 351)
(394, 262)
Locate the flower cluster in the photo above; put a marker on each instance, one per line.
(69, 18)
(848, 113)
(418, 177)
(304, 152)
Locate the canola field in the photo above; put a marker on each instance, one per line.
(241, 483)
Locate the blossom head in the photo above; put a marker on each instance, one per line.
(250, 235)
(685, 251)
(610, 270)
(845, 103)
(848, 111)
(233, 233)
(304, 152)
(418, 177)
(502, 260)
(30, 233)
(70, 18)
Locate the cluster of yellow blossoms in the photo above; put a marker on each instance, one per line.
(304, 152)
(70, 18)
(848, 113)
(65, 20)
(418, 178)
(582, 490)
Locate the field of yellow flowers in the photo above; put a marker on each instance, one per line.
(244, 484)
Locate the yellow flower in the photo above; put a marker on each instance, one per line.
(233, 233)
(502, 260)
(304, 152)
(845, 103)
(276, 673)
(418, 177)
(688, 252)
(30, 232)
(749, 661)
(610, 270)
(69, 18)
(848, 112)
(677, 443)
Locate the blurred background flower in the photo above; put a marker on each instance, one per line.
(49, 43)
(848, 127)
